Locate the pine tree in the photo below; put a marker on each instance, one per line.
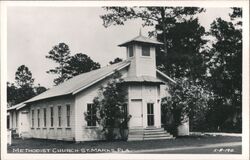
(80, 63)
(59, 54)
(23, 76)
(225, 68)
(24, 82)
(166, 17)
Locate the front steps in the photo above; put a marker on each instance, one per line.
(139, 134)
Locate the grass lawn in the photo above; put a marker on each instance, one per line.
(52, 146)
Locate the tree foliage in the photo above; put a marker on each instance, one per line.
(181, 57)
(179, 30)
(225, 69)
(166, 17)
(23, 76)
(110, 107)
(11, 94)
(69, 66)
(80, 63)
(116, 60)
(24, 82)
(237, 15)
(24, 88)
(17, 95)
(39, 89)
(184, 56)
(187, 101)
(60, 54)
(226, 59)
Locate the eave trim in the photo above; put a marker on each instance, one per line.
(164, 75)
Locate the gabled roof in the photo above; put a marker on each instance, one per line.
(141, 39)
(80, 82)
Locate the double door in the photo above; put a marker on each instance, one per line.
(137, 114)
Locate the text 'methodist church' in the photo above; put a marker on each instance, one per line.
(58, 113)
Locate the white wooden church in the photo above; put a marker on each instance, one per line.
(58, 113)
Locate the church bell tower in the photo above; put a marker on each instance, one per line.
(141, 51)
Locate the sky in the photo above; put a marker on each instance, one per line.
(33, 31)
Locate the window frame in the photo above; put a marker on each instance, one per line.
(44, 117)
(68, 115)
(130, 50)
(51, 116)
(16, 120)
(32, 118)
(12, 120)
(91, 117)
(143, 49)
(38, 118)
(59, 111)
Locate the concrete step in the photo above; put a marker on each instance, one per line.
(136, 135)
(156, 132)
(153, 129)
(155, 138)
(148, 134)
(135, 139)
(157, 135)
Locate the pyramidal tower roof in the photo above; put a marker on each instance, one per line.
(140, 39)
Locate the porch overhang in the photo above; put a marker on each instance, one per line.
(142, 79)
